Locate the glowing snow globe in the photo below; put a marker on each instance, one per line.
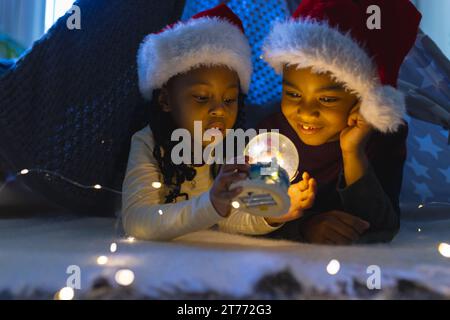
(273, 165)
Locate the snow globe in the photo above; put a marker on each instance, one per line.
(273, 162)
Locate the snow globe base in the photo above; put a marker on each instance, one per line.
(264, 195)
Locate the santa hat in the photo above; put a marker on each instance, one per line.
(209, 38)
(334, 36)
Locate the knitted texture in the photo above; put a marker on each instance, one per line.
(71, 103)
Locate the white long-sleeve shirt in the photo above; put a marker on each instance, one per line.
(146, 216)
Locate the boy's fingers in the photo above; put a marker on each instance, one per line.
(358, 224)
(308, 203)
(306, 196)
(345, 230)
(294, 188)
(303, 186)
(313, 185)
(305, 175)
(352, 119)
(337, 237)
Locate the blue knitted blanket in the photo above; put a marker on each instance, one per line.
(71, 103)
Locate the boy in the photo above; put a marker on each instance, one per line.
(341, 109)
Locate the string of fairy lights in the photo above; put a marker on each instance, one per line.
(126, 277)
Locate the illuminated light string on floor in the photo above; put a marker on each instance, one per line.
(155, 184)
(126, 277)
(123, 277)
(12, 177)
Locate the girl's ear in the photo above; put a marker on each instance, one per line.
(163, 100)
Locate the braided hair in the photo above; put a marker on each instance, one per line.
(162, 125)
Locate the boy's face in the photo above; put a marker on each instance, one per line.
(315, 105)
(207, 94)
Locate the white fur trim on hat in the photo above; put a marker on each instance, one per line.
(309, 43)
(203, 41)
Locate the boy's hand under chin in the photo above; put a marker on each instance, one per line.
(302, 196)
(353, 140)
(354, 137)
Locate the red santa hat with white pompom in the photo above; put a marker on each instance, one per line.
(212, 37)
(335, 36)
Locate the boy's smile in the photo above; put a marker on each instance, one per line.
(307, 128)
(316, 106)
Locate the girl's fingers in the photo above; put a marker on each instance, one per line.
(235, 167)
(228, 178)
(233, 193)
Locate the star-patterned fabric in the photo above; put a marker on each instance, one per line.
(427, 171)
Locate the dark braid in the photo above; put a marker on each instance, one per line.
(162, 126)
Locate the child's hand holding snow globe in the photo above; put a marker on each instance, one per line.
(268, 191)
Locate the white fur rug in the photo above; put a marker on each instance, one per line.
(36, 252)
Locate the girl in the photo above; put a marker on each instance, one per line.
(340, 107)
(193, 71)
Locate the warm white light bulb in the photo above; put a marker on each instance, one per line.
(124, 277)
(444, 249)
(102, 260)
(131, 239)
(333, 267)
(97, 186)
(160, 212)
(66, 293)
(420, 206)
(156, 185)
(113, 247)
(24, 171)
(235, 204)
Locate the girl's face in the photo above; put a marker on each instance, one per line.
(206, 94)
(315, 105)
